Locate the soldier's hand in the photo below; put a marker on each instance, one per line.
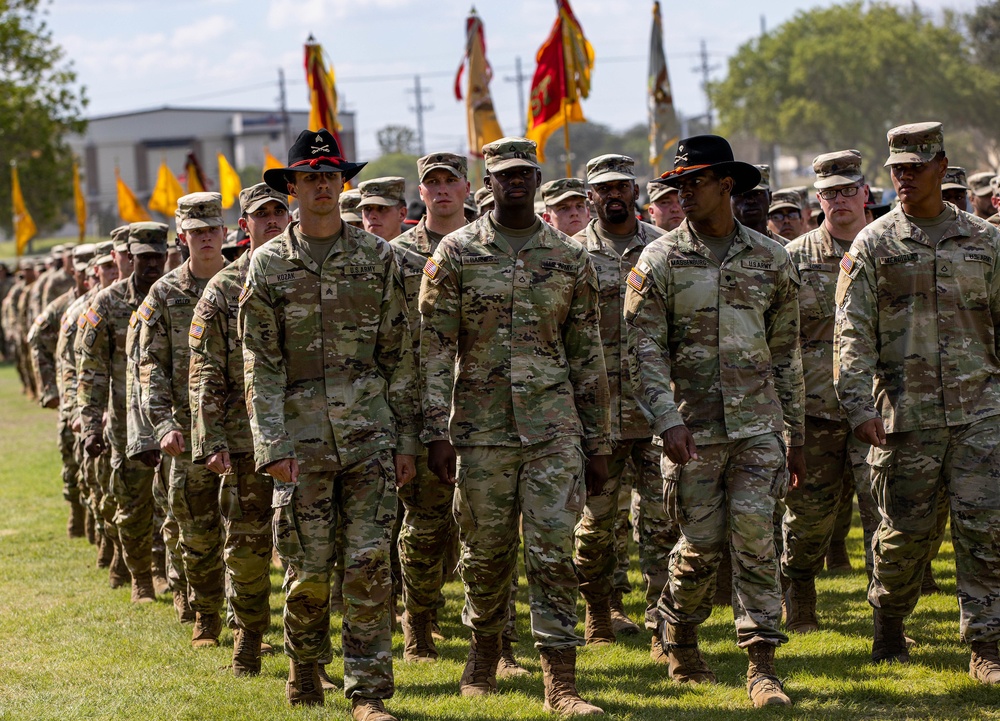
(871, 432)
(441, 460)
(76, 425)
(150, 458)
(172, 443)
(51, 402)
(219, 462)
(596, 474)
(678, 444)
(796, 458)
(93, 445)
(285, 471)
(406, 469)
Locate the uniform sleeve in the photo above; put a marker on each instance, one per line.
(42, 340)
(263, 369)
(66, 366)
(208, 381)
(440, 316)
(93, 368)
(141, 436)
(782, 324)
(855, 339)
(156, 365)
(585, 355)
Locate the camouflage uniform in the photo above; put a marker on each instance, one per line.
(514, 377)
(330, 382)
(915, 346)
(220, 423)
(714, 347)
(59, 282)
(42, 339)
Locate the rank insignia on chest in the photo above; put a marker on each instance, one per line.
(93, 317)
(197, 330)
(636, 279)
(847, 263)
(145, 311)
(431, 268)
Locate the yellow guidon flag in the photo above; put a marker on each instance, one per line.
(130, 209)
(24, 225)
(167, 191)
(229, 182)
(79, 204)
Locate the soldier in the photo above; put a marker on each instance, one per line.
(918, 303)
(383, 206)
(428, 525)
(615, 239)
(751, 208)
(331, 391)
(119, 251)
(349, 213)
(981, 194)
(220, 434)
(22, 324)
(484, 200)
(955, 188)
(565, 205)
(713, 348)
(834, 458)
(514, 378)
(664, 206)
(784, 215)
(164, 359)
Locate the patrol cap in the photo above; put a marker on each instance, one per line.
(915, 143)
(954, 179)
(387, 191)
(232, 239)
(199, 210)
(655, 191)
(349, 200)
(785, 199)
(81, 256)
(510, 153)
(875, 194)
(119, 236)
(484, 199)
(470, 204)
(841, 167)
(765, 177)
(57, 249)
(979, 183)
(457, 165)
(605, 168)
(102, 252)
(556, 191)
(147, 237)
(255, 196)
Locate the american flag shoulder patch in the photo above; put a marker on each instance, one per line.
(93, 317)
(197, 330)
(81, 321)
(431, 268)
(847, 263)
(636, 279)
(145, 311)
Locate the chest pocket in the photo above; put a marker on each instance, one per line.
(819, 280)
(552, 286)
(609, 282)
(749, 283)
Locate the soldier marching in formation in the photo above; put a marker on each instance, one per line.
(721, 382)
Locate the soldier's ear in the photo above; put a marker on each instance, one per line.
(486, 182)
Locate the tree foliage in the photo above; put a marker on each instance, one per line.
(40, 104)
(840, 77)
(984, 33)
(396, 139)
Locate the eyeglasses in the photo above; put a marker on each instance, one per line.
(790, 215)
(830, 193)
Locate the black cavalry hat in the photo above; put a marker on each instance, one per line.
(313, 150)
(710, 151)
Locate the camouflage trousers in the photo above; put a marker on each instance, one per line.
(132, 490)
(193, 499)
(428, 528)
(70, 462)
(543, 486)
(361, 501)
(860, 484)
(908, 474)
(245, 503)
(723, 502)
(832, 454)
(169, 532)
(96, 473)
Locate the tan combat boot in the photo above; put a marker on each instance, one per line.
(158, 565)
(304, 687)
(559, 676)
(837, 560)
(75, 526)
(928, 585)
(118, 573)
(325, 681)
(142, 588)
(369, 709)
(418, 644)
(620, 622)
(246, 652)
(656, 651)
(889, 641)
(763, 685)
(480, 675)
(684, 660)
(984, 666)
(800, 606)
(207, 627)
(508, 667)
(185, 614)
(598, 630)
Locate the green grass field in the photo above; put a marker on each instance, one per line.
(71, 648)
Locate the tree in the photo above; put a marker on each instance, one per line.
(840, 77)
(984, 34)
(403, 165)
(39, 106)
(396, 139)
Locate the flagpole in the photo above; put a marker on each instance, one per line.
(569, 163)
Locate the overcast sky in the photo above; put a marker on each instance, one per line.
(135, 54)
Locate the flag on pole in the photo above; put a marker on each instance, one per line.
(562, 78)
(322, 89)
(129, 208)
(24, 225)
(480, 117)
(79, 204)
(196, 182)
(271, 162)
(229, 182)
(664, 130)
(166, 193)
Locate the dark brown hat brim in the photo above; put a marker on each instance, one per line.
(746, 177)
(276, 177)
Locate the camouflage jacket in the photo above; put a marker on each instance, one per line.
(329, 371)
(511, 343)
(60, 281)
(627, 420)
(72, 320)
(31, 304)
(816, 256)
(42, 340)
(916, 334)
(9, 310)
(140, 436)
(716, 347)
(164, 353)
(412, 249)
(100, 362)
(218, 403)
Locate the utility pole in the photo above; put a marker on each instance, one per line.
(704, 68)
(283, 102)
(419, 109)
(519, 77)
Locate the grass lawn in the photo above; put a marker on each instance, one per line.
(75, 649)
